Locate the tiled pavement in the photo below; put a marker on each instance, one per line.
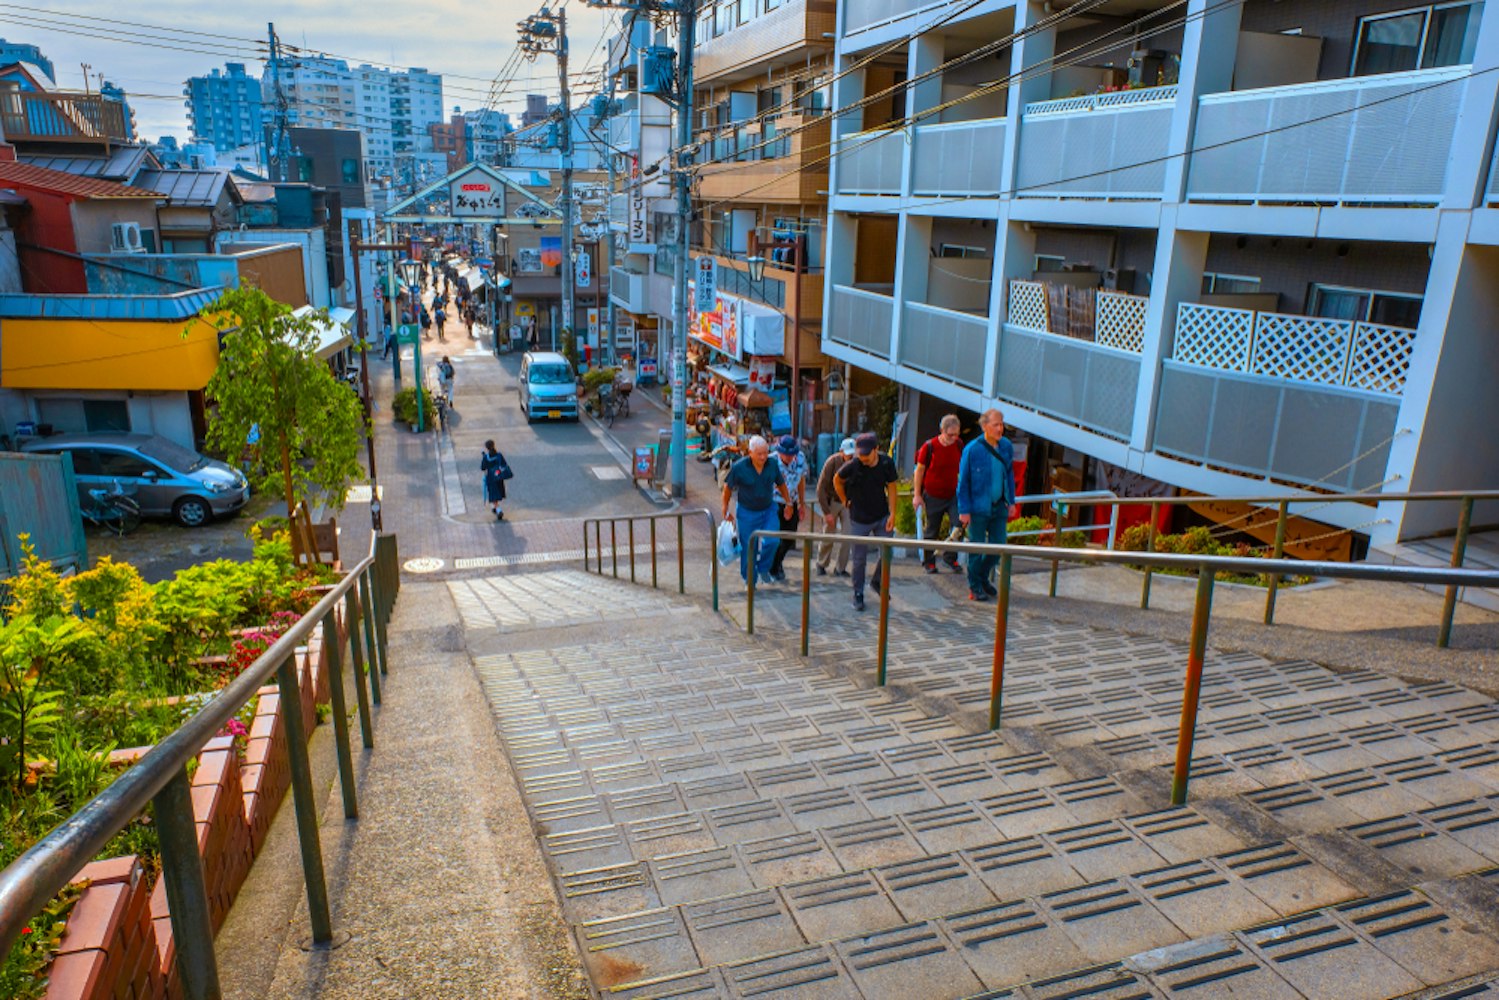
(724, 818)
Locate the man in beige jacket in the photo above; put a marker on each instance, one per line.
(834, 516)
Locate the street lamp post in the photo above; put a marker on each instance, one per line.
(411, 270)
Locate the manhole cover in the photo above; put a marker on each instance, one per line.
(426, 564)
(608, 472)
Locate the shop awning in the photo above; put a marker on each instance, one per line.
(335, 333)
(731, 373)
(473, 278)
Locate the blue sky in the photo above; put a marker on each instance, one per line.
(466, 40)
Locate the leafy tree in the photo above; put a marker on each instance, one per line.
(271, 382)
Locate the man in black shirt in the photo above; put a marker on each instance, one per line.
(866, 487)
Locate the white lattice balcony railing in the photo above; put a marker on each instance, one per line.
(1370, 356)
(1109, 319)
(1103, 102)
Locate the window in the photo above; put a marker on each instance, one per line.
(351, 171)
(746, 11)
(1419, 38)
(124, 464)
(956, 250)
(1050, 262)
(1364, 305)
(1228, 284)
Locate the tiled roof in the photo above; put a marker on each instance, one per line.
(26, 175)
(122, 164)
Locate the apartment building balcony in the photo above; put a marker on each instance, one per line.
(628, 290)
(1301, 399)
(1073, 354)
(1369, 140)
(61, 117)
(727, 49)
(755, 161)
(871, 162)
(959, 158)
(872, 13)
(1107, 146)
(944, 343)
(861, 319)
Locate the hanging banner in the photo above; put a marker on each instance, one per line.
(551, 251)
(762, 373)
(593, 326)
(705, 282)
(476, 197)
(583, 269)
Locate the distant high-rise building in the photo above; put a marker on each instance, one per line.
(487, 129)
(393, 108)
(24, 52)
(225, 107)
(537, 109)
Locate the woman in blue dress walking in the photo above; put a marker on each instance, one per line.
(496, 471)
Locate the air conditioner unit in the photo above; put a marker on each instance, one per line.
(125, 237)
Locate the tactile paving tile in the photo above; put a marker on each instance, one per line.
(950, 828)
(796, 857)
(699, 875)
(933, 886)
(1098, 850)
(607, 892)
(1419, 847)
(809, 974)
(636, 946)
(699, 984)
(1027, 866)
(1012, 942)
(1180, 833)
(1324, 959)
(735, 928)
(872, 842)
(1105, 982)
(1413, 931)
(913, 960)
(1211, 968)
(1285, 879)
(835, 907)
(1108, 920)
(1201, 899)
(1474, 823)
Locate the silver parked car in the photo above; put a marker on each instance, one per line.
(165, 478)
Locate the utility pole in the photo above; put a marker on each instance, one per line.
(546, 32)
(686, 15)
(276, 154)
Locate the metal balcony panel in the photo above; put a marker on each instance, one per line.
(1323, 436)
(1090, 150)
(861, 320)
(962, 158)
(945, 344)
(1072, 380)
(871, 162)
(627, 289)
(1381, 139)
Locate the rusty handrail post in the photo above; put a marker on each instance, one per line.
(585, 545)
(1149, 548)
(652, 523)
(340, 712)
(359, 653)
(885, 554)
(630, 541)
(1202, 608)
(304, 801)
(713, 557)
(186, 888)
(614, 546)
(1056, 564)
(806, 592)
(371, 642)
(598, 547)
(1001, 638)
(682, 566)
(1459, 553)
(1279, 551)
(749, 594)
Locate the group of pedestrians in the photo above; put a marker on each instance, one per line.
(971, 487)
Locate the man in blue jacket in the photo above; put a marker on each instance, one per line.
(986, 489)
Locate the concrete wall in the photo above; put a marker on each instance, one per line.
(312, 244)
(92, 221)
(168, 414)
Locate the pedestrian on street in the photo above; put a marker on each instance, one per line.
(794, 473)
(834, 514)
(468, 319)
(934, 491)
(390, 342)
(441, 310)
(496, 471)
(426, 324)
(445, 379)
(756, 479)
(986, 490)
(867, 487)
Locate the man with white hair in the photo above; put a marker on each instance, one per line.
(756, 480)
(986, 491)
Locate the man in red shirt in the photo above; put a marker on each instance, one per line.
(934, 491)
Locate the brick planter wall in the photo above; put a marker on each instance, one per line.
(118, 943)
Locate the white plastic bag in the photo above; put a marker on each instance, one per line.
(728, 544)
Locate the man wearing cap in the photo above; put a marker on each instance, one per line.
(867, 487)
(986, 489)
(794, 474)
(756, 479)
(834, 514)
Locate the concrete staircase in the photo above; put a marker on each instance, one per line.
(723, 818)
(1482, 553)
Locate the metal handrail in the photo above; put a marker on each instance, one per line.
(629, 520)
(1207, 569)
(161, 778)
(1283, 503)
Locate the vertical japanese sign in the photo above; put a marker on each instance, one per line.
(583, 268)
(705, 284)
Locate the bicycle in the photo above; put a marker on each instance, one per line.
(608, 404)
(113, 509)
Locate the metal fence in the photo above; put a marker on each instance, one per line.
(949, 345)
(1073, 380)
(1100, 146)
(39, 499)
(960, 158)
(861, 320)
(160, 778)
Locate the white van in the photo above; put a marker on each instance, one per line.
(548, 387)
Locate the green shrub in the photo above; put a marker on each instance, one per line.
(1200, 541)
(1066, 539)
(404, 406)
